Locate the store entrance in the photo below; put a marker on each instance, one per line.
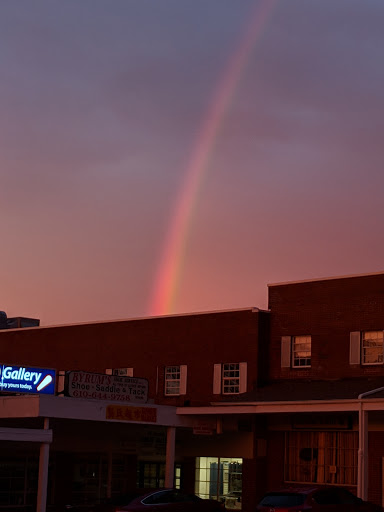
(220, 478)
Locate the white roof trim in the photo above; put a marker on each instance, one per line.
(35, 435)
(326, 279)
(348, 405)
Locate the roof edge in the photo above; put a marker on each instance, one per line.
(118, 320)
(332, 278)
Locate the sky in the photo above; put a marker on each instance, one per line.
(175, 156)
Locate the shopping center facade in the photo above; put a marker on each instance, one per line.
(227, 404)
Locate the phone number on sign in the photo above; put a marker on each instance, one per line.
(83, 393)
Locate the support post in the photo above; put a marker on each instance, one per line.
(109, 475)
(362, 461)
(362, 469)
(43, 473)
(170, 457)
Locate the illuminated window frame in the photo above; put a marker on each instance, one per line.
(372, 347)
(301, 351)
(120, 372)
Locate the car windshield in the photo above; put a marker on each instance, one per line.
(280, 499)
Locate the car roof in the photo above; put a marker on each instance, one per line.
(296, 490)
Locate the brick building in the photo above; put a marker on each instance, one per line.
(238, 402)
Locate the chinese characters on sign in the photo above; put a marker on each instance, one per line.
(128, 413)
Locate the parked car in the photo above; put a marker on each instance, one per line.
(67, 507)
(315, 499)
(163, 500)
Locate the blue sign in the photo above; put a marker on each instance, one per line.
(18, 379)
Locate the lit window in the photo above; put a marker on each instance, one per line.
(220, 479)
(172, 380)
(301, 351)
(120, 372)
(231, 378)
(372, 347)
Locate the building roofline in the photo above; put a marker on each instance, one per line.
(332, 278)
(279, 407)
(119, 320)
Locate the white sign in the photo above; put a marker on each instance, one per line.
(100, 386)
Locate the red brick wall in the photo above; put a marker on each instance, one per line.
(147, 345)
(327, 310)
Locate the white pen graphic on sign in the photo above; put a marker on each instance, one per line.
(44, 383)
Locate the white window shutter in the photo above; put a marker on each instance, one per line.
(285, 351)
(183, 379)
(129, 372)
(108, 371)
(217, 379)
(354, 347)
(243, 378)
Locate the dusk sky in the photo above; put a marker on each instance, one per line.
(174, 156)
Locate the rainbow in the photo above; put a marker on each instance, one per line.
(169, 270)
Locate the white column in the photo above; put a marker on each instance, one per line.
(170, 457)
(43, 473)
(362, 469)
(109, 476)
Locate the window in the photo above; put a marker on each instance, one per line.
(88, 471)
(121, 372)
(158, 498)
(366, 347)
(283, 499)
(151, 475)
(220, 478)
(18, 480)
(372, 347)
(175, 380)
(172, 380)
(301, 351)
(296, 351)
(321, 457)
(230, 378)
(169, 497)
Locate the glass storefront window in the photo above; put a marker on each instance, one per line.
(321, 457)
(220, 478)
(89, 471)
(18, 480)
(151, 475)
